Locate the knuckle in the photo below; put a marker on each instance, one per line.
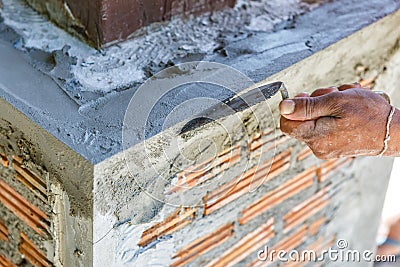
(320, 154)
(309, 108)
(284, 126)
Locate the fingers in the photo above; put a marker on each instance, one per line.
(349, 86)
(324, 91)
(302, 130)
(309, 108)
(303, 95)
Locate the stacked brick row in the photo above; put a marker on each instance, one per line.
(283, 200)
(24, 208)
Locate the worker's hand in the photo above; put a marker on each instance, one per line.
(337, 122)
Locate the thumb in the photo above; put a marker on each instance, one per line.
(307, 108)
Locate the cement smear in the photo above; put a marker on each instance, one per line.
(90, 74)
(92, 88)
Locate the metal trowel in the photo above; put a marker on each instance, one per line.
(235, 104)
(242, 102)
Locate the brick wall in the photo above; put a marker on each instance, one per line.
(261, 188)
(26, 215)
(39, 226)
(290, 214)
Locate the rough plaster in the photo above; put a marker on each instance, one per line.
(73, 245)
(94, 74)
(91, 123)
(69, 207)
(69, 230)
(122, 209)
(360, 215)
(72, 170)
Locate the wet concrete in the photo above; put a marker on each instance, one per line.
(83, 102)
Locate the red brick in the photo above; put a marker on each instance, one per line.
(23, 209)
(305, 153)
(3, 232)
(4, 262)
(369, 82)
(32, 253)
(261, 146)
(242, 184)
(278, 195)
(33, 181)
(179, 219)
(17, 159)
(321, 244)
(316, 225)
(246, 246)
(305, 210)
(4, 160)
(210, 168)
(203, 245)
(328, 167)
(287, 244)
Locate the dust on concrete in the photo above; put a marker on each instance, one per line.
(87, 74)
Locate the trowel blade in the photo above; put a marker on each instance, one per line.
(235, 104)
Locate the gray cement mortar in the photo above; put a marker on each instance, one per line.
(90, 89)
(123, 210)
(13, 143)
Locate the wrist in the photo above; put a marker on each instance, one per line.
(394, 132)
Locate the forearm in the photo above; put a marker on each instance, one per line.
(394, 143)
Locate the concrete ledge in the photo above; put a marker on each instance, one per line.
(94, 130)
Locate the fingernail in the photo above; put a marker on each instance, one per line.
(287, 107)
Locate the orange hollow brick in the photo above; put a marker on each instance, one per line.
(3, 232)
(253, 177)
(200, 173)
(4, 160)
(33, 181)
(295, 264)
(4, 262)
(370, 82)
(305, 210)
(276, 196)
(305, 153)
(32, 253)
(31, 187)
(316, 246)
(23, 209)
(259, 170)
(177, 220)
(267, 145)
(321, 244)
(246, 246)
(329, 166)
(256, 139)
(287, 244)
(316, 225)
(17, 159)
(208, 161)
(203, 245)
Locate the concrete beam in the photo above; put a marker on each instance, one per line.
(91, 101)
